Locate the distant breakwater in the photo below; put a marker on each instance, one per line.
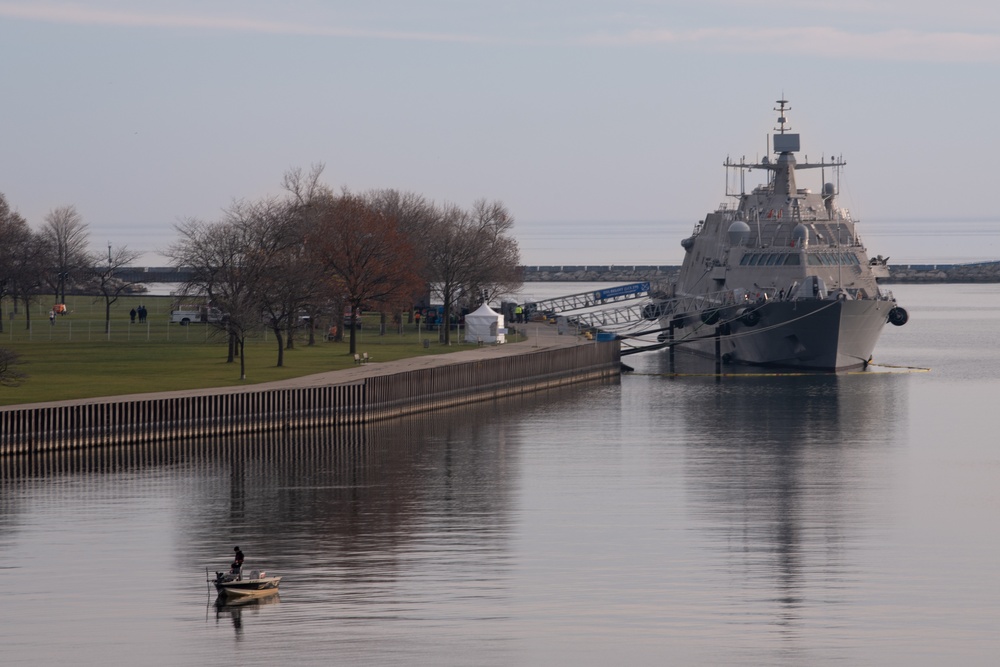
(981, 272)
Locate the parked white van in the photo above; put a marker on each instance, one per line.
(185, 314)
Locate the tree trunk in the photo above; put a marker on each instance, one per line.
(243, 361)
(446, 324)
(281, 346)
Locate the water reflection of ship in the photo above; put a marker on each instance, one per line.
(786, 473)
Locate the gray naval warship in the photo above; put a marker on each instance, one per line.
(782, 279)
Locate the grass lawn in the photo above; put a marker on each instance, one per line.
(76, 358)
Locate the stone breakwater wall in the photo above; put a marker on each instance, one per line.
(596, 274)
(981, 272)
(127, 421)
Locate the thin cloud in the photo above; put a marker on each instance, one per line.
(896, 45)
(79, 15)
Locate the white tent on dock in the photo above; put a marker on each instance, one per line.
(485, 325)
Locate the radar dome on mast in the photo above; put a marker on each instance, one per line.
(739, 232)
(828, 192)
(800, 236)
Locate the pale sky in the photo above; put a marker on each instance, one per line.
(602, 125)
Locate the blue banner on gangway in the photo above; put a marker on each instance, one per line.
(621, 290)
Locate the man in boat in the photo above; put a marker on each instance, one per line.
(237, 561)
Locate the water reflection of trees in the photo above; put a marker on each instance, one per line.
(346, 507)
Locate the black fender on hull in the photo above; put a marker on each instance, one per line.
(750, 317)
(898, 316)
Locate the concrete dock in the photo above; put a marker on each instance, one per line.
(361, 394)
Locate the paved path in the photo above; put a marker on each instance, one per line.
(541, 336)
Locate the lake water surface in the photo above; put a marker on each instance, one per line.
(755, 519)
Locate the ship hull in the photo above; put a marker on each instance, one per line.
(810, 334)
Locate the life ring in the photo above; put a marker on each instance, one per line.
(770, 213)
(898, 316)
(779, 214)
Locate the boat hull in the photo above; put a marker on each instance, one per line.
(246, 588)
(806, 334)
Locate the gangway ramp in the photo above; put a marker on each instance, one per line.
(602, 297)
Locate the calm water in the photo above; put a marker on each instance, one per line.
(783, 520)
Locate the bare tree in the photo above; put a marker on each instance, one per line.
(240, 264)
(276, 233)
(66, 234)
(216, 255)
(10, 375)
(14, 234)
(500, 270)
(470, 257)
(307, 282)
(26, 263)
(105, 277)
(369, 260)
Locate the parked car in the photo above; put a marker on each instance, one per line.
(186, 314)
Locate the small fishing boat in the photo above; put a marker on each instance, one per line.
(233, 584)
